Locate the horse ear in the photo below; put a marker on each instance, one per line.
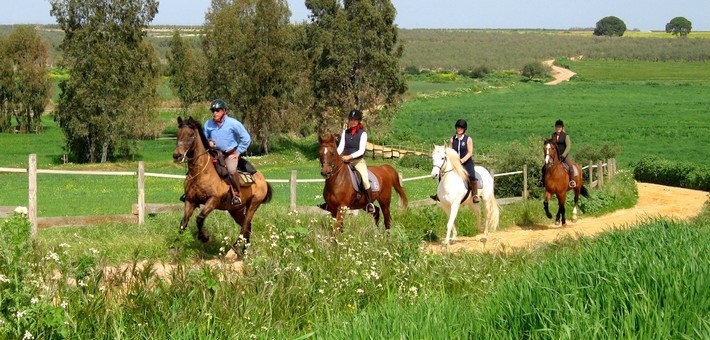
(179, 121)
(320, 139)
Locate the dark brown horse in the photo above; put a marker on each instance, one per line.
(557, 183)
(339, 193)
(203, 186)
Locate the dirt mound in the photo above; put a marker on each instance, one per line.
(654, 201)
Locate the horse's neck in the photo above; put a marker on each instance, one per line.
(197, 165)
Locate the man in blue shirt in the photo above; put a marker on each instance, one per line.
(229, 136)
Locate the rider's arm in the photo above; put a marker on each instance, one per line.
(363, 146)
(568, 147)
(469, 147)
(341, 143)
(243, 137)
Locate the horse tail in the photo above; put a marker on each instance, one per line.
(269, 193)
(492, 211)
(584, 192)
(399, 187)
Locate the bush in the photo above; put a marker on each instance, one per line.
(535, 70)
(512, 157)
(422, 162)
(591, 153)
(413, 70)
(653, 169)
(480, 72)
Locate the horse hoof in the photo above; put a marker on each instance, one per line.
(549, 215)
(574, 220)
(203, 238)
(557, 222)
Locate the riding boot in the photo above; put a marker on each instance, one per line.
(572, 183)
(474, 190)
(541, 182)
(236, 197)
(370, 208)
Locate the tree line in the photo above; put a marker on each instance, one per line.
(276, 76)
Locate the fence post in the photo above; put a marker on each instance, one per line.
(32, 193)
(141, 193)
(292, 204)
(525, 181)
(609, 174)
(591, 175)
(600, 174)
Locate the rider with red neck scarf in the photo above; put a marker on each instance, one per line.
(352, 145)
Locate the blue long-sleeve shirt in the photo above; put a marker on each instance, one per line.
(230, 134)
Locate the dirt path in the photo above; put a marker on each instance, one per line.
(654, 200)
(560, 73)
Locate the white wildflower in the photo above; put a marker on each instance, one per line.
(360, 291)
(4, 279)
(64, 245)
(20, 313)
(34, 300)
(21, 210)
(94, 251)
(321, 291)
(64, 304)
(28, 336)
(82, 283)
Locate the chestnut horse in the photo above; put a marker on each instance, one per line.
(557, 183)
(204, 186)
(339, 193)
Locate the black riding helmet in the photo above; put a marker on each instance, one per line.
(218, 104)
(355, 114)
(461, 123)
(559, 123)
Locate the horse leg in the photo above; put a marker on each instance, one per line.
(376, 216)
(206, 210)
(189, 209)
(561, 198)
(477, 209)
(576, 200)
(338, 215)
(547, 205)
(452, 211)
(243, 217)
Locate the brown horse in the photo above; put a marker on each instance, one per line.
(204, 186)
(557, 183)
(339, 193)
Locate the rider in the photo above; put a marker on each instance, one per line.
(564, 145)
(229, 136)
(463, 144)
(352, 145)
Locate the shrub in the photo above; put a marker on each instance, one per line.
(653, 169)
(480, 72)
(535, 70)
(413, 70)
(512, 157)
(591, 153)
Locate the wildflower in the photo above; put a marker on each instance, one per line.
(321, 291)
(360, 290)
(64, 245)
(94, 251)
(82, 283)
(20, 313)
(28, 336)
(34, 300)
(21, 210)
(64, 304)
(4, 279)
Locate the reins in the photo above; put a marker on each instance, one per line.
(441, 168)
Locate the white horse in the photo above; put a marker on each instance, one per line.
(452, 191)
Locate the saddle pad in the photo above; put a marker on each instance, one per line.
(576, 171)
(480, 181)
(245, 179)
(374, 183)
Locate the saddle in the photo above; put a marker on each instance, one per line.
(357, 180)
(245, 170)
(564, 165)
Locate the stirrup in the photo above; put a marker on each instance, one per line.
(572, 184)
(236, 200)
(370, 208)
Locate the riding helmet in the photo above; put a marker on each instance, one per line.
(355, 114)
(461, 123)
(218, 104)
(559, 123)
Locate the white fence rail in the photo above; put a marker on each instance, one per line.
(32, 172)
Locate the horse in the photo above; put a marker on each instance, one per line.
(339, 193)
(557, 183)
(204, 186)
(452, 191)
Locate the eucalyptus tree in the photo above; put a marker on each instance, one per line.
(186, 71)
(109, 101)
(252, 64)
(355, 58)
(24, 77)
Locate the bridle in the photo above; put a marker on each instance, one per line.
(189, 146)
(441, 167)
(332, 164)
(550, 159)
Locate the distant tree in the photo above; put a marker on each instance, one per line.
(25, 80)
(610, 26)
(187, 79)
(109, 100)
(355, 58)
(252, 65)
(679, 26)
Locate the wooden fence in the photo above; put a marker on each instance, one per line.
(141, 208)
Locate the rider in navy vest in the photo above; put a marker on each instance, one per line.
(352, 146)
(463, 144)
(564, 145)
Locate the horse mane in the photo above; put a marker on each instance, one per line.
(455, 161)
(194, 124)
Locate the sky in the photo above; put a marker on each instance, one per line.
(506, 14)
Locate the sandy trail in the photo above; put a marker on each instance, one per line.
(559, 73)
(654, 201)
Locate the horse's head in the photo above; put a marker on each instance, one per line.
(439, 159)
(550, 151)
(328, 154)
(186, 136)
